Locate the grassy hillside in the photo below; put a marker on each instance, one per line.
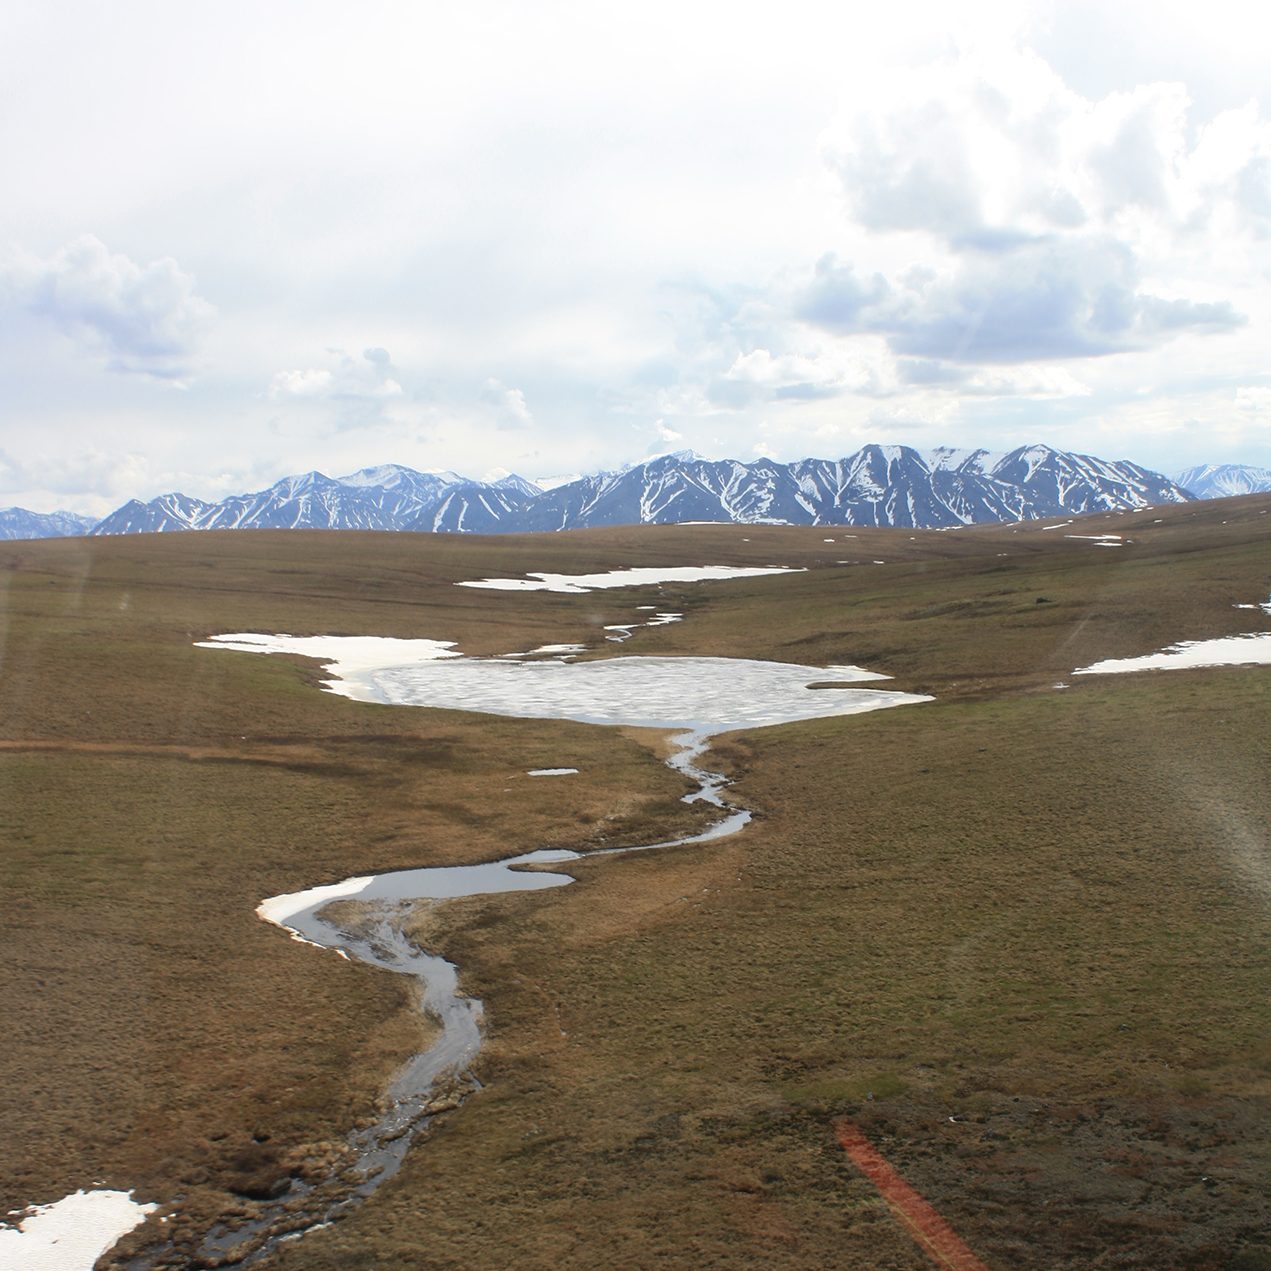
(1042, 914)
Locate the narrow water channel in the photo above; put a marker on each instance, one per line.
(385, 902)
(695, 698)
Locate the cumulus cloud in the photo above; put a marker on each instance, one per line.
(1253, 400)
(62, 476)
(1050, 299)
(990, 152)
(812, 374)
(359, 385)
(837, 297)
(1050, 219)
(146, 320)
(971, 150)
(510, 409)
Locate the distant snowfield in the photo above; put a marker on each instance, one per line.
(536, 581)
(706, 695)
(1099, 540)
(72, 1233)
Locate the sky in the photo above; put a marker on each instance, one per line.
(239, 241)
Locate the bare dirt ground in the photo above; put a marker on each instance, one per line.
(1018, 935)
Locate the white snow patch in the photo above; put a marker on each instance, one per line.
(1253, 649)
(350, 659)
(277, 909)
(1099, 540)
(642, 577)
(551, 772)
(70, 1234)
(552, 648)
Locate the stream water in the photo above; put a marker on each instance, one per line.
(699, 697)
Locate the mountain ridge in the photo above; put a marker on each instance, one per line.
(1220, 481)
(20, 523)
(877, 486)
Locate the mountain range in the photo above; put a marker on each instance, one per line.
(19, 523)
(878, 485)
(1210, 481)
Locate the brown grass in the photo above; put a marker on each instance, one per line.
(1040, 913)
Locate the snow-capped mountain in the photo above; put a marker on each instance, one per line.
(18, 523)
(1219, 481)
(878, 485)
(388, 497)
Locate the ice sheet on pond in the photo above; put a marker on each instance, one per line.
(638, 577)
(70, 1234)
(708, 695)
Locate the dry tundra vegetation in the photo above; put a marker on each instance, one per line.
(1018, 934)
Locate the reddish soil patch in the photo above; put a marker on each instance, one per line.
(934, 1236)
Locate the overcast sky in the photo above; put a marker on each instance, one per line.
(242, 240)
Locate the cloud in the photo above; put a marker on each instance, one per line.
(1055, 298)
(991, 150)
(95, 478)
(836, 297)
(1253, 400)
(807, 376)
(511, 411)
(146, 320)
(971, 150)
(1062, 299)
(360, 386)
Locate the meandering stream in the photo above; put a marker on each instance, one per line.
(696, 697)
(691, 698)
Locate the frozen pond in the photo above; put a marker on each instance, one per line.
(538, 581)
(711, 695)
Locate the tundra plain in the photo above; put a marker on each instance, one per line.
(1018, 934)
